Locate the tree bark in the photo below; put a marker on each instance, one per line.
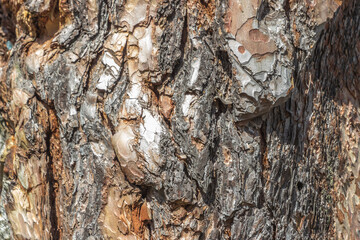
(174, 119)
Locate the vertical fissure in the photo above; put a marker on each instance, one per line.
(54, 229)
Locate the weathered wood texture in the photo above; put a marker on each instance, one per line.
(174, 119)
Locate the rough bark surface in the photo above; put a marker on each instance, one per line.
(174, 119)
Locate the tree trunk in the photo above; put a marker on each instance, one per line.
(174, 119)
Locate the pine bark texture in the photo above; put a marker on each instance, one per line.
(174, 119)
